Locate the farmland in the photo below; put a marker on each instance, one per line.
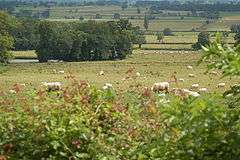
(167, 19)
(152, 65)
(90, 81)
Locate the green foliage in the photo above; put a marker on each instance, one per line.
(79, 122)
(196, 129)
(81, 18)
(203, 40)
(140, 39)
(3, 68)
(233, 96)
(146, 22)
(116, 16)
(6, 44)
(167, 32)
(124, 5)
(22, 30)
(98, 16)
(7, 23)
(237, 37)
(84, 41)
(236, 29)
(227, 60)
(211, 15)
(83, 122)
(224, 58)
(138, 10)
(160, 36)
(25, 35)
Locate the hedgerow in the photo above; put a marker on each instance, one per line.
(83, 122)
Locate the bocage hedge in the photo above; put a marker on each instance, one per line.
(84, 41)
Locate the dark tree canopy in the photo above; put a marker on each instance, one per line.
(84, 41)
(236, 29)
(203, 40)
(146, 22)
(167, 32)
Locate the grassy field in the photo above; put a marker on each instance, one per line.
(24, 54)
(167, 19)
(154, 66)
(168, 46)
(185, 37)
(176, 25)
(177, 38)
(156, 62)
(105, 11)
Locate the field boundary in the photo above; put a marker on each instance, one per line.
(168, 49)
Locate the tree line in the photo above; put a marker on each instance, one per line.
(236, 29)
(189, 6)
(86, 41)
(74, 41)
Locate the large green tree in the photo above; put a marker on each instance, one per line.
(237, 37)
(7, 26)
(6, 44)
(47, 40)
(160, 37)
(236, 29)
(203, 40)
(140, 40)
(7, 23)
(25, 35)
(167, 32)
(146, 22)
(84, 41)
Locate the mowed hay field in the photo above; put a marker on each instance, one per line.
(154, 66)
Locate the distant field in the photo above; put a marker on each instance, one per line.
(155, 62)
(167, 46)
(222, 25)
(177, 38)
(186, 37)
(104, 11)
(154, 66)
(24, 54)
(175, 25)
(230, 15)
(161, 21)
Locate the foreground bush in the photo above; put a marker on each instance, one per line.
(196, 129)
(82, 122)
